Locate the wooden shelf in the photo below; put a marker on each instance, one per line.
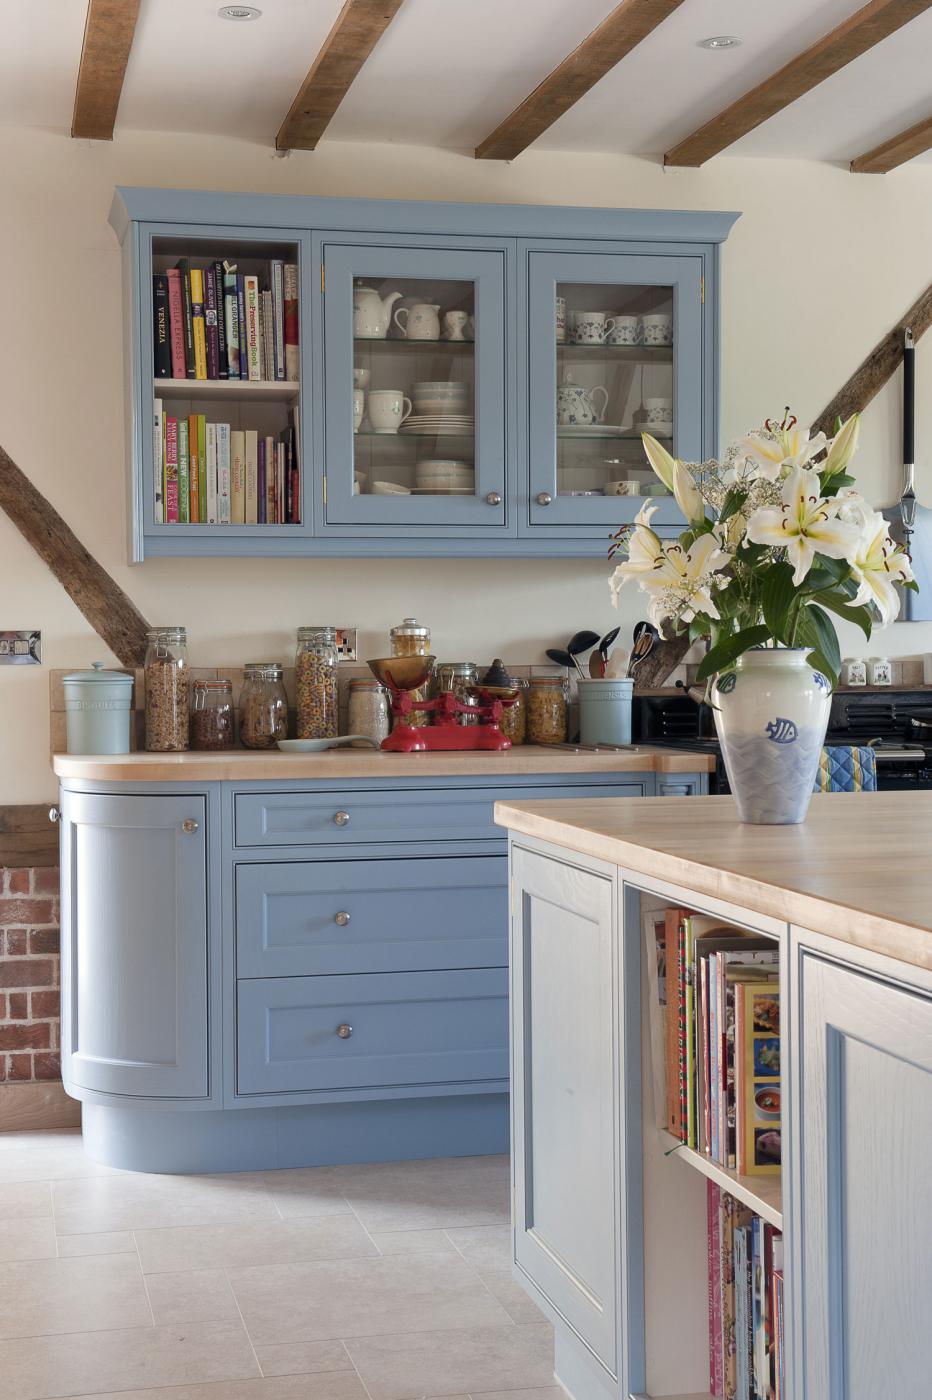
(763, 1194)
(257, 389)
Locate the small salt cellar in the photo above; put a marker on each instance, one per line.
(855, 671)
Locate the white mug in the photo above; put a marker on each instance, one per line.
(388, 409)
(591, 327)
(421, 321)
(361, 377)
(454, 325)
(359, 408)
(626, 331)
(657, 328)
(658, 410)
(561, 320)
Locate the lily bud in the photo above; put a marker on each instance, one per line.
(660, 459)
(842, 447)
(686, 494)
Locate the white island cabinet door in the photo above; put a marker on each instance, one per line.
(563, 1068)
(862, 1123)
(134, 945)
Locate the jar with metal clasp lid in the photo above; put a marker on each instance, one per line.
(263, 706)
(498, 684)
(461, 679)
(547, 709)
(316, 683)
(367, 710)
(213, 720)
(166, 669)
(412, 638)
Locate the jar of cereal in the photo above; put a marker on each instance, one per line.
(547, 709)
(212, 718)
(263, 706)
(316, 683)
(167, 690)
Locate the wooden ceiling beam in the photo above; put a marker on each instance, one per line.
(108, 38)
(899, 149)
(847, 41)
(355, 33)
(616, 36)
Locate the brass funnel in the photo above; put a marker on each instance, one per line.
(403, 672)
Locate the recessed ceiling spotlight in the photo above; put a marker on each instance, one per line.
(720, 41)
(238, 12)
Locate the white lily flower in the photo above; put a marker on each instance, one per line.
(686, 493)
(683, 579)
(842, 447)
(804, 525)
(644, 552)
(660, 459)
(776, 453)
(879, 563)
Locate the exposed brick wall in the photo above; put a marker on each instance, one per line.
(29, 975)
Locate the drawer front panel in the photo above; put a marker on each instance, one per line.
(407, 1028)
(310, 918)
(356, 817)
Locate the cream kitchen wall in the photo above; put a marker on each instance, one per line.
(819, 266)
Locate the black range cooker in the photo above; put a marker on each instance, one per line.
(896, 723)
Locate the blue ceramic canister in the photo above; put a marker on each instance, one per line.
(605, 710)
(97, 705)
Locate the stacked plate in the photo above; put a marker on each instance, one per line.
(441, 396)
(444, 476)
(440, 424)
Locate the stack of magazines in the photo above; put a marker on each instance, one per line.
(746, 1333)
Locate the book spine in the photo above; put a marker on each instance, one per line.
(176, 323)
(253, 328)
(224, 483)
(231, 320)
(194, 472)
(184, 473)
(158, 462)
(282, 485)
(223, 370)
(714, 1048)
(172, 514)
(739, 1082)
(197, 318)
(291, 322)
(261, 502)
(690, 1057)
(295, 473)
(237, 477)
(728, 1297)
(740, 1270)
(252, 476)
(671, 923)
(714, 1232)
(268, 336)
(210, 469)
(241, 316)
(161, 359)
(757, 1277)
(184, 272)
(211, 327)
(278, 316)
(704, 1049)
(202, 468)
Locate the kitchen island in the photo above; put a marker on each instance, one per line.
(275, 960)
(611, 1218)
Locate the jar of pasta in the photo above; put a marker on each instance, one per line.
(461, 679)
(412, 638)
(367, 710)
(167, 690)
(263, 706)
(547, 709)
(316, 683)
(499, 684)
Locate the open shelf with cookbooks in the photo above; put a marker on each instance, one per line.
(226, 379)
(712, 1156)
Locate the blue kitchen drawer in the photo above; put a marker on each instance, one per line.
(364, 816)
(408, 1029)
(295, 919)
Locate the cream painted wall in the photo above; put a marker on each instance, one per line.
(816, 270)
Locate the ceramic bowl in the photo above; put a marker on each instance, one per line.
(389, 488)
(440, 386)
(623, 488)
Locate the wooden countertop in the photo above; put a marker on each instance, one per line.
(242, 765)
(858, 869)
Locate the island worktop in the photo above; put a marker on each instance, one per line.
(857, 869)
(243, 765)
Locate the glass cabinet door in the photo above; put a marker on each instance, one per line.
(414, 370)
(615, 350)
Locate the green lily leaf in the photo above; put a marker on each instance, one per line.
(860, 616)
(730, 648)
(814, 628)
(732, 503)
(777, 595)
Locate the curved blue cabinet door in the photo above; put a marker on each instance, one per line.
(134, 945)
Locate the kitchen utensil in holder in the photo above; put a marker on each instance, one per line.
(404, 674)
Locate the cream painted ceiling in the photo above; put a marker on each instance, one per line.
(447, 71)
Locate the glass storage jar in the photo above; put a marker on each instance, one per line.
(412, 638)
(316, 683)
(547, 709)
(263, 706)
(367, 710)
(461, 679)
(213, 723)
(167, 690)
(499, 684)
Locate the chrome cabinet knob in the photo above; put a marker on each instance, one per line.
(189, 826)
(544, 498)
(54, 814)
(344, 1031)
(341, 919)
(493, 499)
(341, 818)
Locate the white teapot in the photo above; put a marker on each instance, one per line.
(372, 313)
(575, 403)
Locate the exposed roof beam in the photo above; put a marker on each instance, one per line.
(860, 32)
(889, 154)
(355, 33)
(108, 38)
(616, 36)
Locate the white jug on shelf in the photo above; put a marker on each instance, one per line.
(421, 321)
(372, 313)
(575, 403)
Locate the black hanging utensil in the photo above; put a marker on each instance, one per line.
(910, 522)
(562, 658)
(607, 641)
(582, 641)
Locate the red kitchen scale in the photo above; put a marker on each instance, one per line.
(403, 674)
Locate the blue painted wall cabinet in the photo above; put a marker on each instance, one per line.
(530, 304)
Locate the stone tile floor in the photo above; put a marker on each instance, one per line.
(379, 1282)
